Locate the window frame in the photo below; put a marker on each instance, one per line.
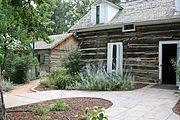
(128, 30)
(98, 14)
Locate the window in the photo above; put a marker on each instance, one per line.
(97, 14)
(115, 58)
(128, 28)
(41, 58)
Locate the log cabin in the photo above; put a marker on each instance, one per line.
(51, 55)
(140, 36)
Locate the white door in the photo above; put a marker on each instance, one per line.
(161, 43)
(115, 58)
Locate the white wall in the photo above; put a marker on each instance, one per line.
(111, 12)
(177, 4)
(107, 13)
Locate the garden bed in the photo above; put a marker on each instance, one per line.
(43, 88)
(77, 106)
(176, 108)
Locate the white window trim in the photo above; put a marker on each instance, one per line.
(109, 57)
(123, 30)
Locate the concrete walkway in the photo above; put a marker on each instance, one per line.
(142, 104)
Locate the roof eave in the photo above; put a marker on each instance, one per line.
(111, 26)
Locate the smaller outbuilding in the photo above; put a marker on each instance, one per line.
(51, 55)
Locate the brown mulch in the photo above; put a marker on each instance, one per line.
(140, 85)
(176, 108)
(42, 88)
(76, 107)
(137, 86)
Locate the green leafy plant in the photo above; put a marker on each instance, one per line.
(17, 70)
(43, 117)
(61, 79)
(98, 79)
(96, 115)
(6, 84)
(41, 110)
(46, 83)
(59, 105)
(176, 66)
(73, 62)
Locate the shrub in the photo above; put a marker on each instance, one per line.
(17, 70)
(73, 62)
(43, 117)
(59, 105)
(96, 115)
(98, 79)
(46, 83)
(41, 110)
(60, 78)
(6, 84)
(127, 82)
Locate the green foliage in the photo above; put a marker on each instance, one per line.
(41, 110)
(67, 13)
(43, 117)
(96, 115)
(61, 79)
(127, 82)
(46, 83)
(73, 62)
(98, 79)
(59, 105)
(175, 63)
(21, 23)
(176, 67)
(18, 68)
(6, 85)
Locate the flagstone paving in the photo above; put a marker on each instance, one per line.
(142, 104)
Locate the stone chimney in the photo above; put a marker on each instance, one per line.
(177, 6)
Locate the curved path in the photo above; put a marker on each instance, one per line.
(23, 88)
(142, 104)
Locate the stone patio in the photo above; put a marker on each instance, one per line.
(147, 103)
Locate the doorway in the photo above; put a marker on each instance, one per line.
(169, 51)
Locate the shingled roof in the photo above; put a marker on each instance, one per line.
(135, 11)
(57, 39)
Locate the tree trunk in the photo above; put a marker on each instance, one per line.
(2, 107)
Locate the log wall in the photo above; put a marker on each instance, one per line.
(45, 67)
(140, 47)
(54, 57)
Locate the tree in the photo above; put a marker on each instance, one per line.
(68, 12)
(2, 108)
(21, 23)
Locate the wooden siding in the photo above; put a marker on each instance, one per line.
(59, 52)
(57, 58)
(54, 57)
(67, 44)
(45, 67)
(140, 47)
